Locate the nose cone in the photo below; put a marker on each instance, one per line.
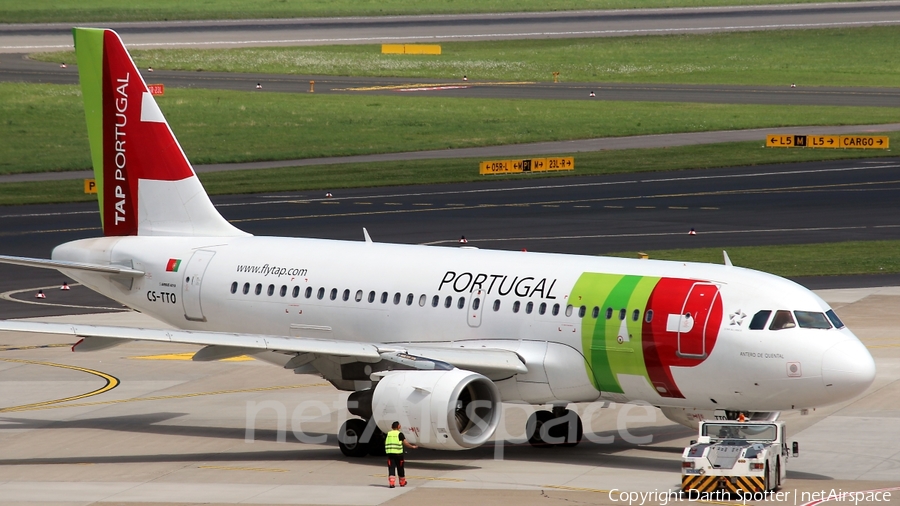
(847, 370)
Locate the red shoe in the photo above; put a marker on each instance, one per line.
(391, 481)
(402, 482)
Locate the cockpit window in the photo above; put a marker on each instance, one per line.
(782, 320)
(838, 324)
(811, 320)
(759, 320)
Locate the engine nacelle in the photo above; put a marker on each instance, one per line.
(691, 417)
(446, 410)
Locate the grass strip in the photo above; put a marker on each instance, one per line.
(42, 11)
(826, 259)
(330, 177)
(43, 125)
(825, 57)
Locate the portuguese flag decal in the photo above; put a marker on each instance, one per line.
(173, 265)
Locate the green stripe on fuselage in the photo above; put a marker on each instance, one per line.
(606, 356)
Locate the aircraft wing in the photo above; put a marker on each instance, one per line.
(494, 362)
(59, 264)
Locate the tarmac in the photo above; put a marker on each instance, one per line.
(141, 424)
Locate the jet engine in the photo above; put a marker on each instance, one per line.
(691, 417)
(447, 410)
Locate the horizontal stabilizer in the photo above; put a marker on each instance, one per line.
(113, 270)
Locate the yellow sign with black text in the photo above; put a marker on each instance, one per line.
(526, 166)
(829, 141)
(90, 186)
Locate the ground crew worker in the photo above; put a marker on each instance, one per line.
(393, 447)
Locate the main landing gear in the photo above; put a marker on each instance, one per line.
(358, 438)
(560, 427)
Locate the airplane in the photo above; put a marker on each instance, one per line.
(437, 337)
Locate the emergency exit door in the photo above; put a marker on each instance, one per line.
(191, 285)
(692, 327)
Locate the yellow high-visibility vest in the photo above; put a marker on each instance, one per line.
(392, 443)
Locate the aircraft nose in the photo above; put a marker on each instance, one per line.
(847, 369)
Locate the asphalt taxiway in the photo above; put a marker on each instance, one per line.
(451, 27)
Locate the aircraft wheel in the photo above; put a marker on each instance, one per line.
(563, 430)
(376, 441)
(533, 428)
(350, 438)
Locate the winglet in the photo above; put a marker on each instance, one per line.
(727, 260)
(366, 235)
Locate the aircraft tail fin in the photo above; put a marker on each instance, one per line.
(145, 183)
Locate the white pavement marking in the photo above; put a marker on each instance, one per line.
(656, 234)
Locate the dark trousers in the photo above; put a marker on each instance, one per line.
(396, 460)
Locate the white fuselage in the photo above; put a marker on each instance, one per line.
(630, 348)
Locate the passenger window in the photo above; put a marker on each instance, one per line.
(422, 300)
(529, 307)
(556, 309)
(476, 303)
(609, 313)
(283, 291)
(308, 293)
(812, 320)
(234, 287)
(258, 288)
(396, 298)
(270, 290)
(782, 320)
(581, 311)
(636, 315)
(321, 293)
(448, 302)
(759, 320)
(333, 294)
(384, 297)
(246, 288)
(409, 299)
(371, 296)
(497, 305)
(461, 303)
(295, 292)
(435, 301)
(516, 306)
(648, 316)
(595, 312)
(838, 324)
(359, 296)
(346, 295)
(622, 314)
(542, 308)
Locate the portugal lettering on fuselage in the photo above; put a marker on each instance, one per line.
(500, 284)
